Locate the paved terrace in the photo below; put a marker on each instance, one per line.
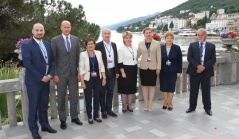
(176, 124)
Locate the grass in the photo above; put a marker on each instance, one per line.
(9, 71)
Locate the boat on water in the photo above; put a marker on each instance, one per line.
(188, 32)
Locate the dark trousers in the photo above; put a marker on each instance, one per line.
(195, 82)
(107, 91)
(95, 85)
(38, 97)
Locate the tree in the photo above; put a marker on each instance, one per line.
(171, 25)
(165, 28)
(18, 17)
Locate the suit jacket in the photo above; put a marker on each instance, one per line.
(100, 46)
(84, 64)
(194, 59)
(66, 63)
(175, 57)
(155, 55)
(34, 62)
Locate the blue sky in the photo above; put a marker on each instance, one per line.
(106, 12)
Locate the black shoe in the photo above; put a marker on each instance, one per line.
(124, 111)
(111, 113)
(209, 112)
(76, 121)
(104, 115)
(63, 125)
(170, 108)
(190, 110)
(90, 121)
(48, 129)
(36, 136)
(98, 120)
(164, 107)
(131, 110)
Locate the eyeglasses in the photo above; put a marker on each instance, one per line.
(90, 44)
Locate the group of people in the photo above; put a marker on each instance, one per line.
(100, 65)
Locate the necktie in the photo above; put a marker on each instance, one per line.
(201, 49)
(68, 45)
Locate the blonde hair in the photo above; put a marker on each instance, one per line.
(168, 33)
(125, 34)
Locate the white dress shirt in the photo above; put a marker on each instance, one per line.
(69, 39)
(109, 54)
(203, 52)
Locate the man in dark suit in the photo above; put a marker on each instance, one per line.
(66, 50)
(39, 63)
(110, 59)
(201, 58)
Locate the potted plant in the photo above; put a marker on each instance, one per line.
(228, 39)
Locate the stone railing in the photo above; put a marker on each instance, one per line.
(226, 72)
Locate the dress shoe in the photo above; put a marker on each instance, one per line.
(209, 112)
(63, 125)
(90, 121)
(48, 129)
(98, 120)
(111, 113)
(124, 111)
(104, 115)
(164, 107)
(76, 121)
(170, 108)
(190, 110)
(145, 109)
(36, 136)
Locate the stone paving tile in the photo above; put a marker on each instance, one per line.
(162, 124)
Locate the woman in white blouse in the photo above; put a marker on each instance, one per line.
(128, 71)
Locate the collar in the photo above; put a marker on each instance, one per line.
(64, 36)
(38, 40)
(106, 43)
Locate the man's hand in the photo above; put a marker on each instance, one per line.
(117, 76)
(103, 81)
(56, 79)
(79, 77)
(200, 69)
(45, 79)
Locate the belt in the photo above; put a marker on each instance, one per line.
(110, 69)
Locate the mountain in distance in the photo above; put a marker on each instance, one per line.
(127, 22)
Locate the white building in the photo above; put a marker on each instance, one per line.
(220, 11)
(202, 14)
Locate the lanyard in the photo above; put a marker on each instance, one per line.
(148, 47)
(109, 51)
(44, 52)
(92, 61)
(132, 53)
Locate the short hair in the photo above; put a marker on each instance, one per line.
(168, 33)
(147, 28)
(127, 33)
(88, 40)
(203, 30)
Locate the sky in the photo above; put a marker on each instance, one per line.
(106, 12)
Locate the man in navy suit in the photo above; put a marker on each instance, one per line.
(201, 58)
(39, 63)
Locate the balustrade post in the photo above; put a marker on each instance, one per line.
(24, 99)
(184, 80)
(0, 120)
(141, 98)
(11, 108)
(52, 99)
(116, 95)
(178, 85)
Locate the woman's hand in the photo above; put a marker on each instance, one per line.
(157, 72)
(83, 85)
(123, 75)
(103, 81)
(178, 75)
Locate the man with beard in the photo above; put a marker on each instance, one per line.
(39, 62)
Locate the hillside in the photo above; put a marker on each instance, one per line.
(195, 6)
(127, 22)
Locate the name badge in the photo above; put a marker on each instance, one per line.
(148, 59)
(93, 74)
(110, 61)
(168, 63)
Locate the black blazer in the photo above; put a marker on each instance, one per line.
(194, 59)
(100, 46)
(175, 57)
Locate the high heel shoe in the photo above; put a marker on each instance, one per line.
(131, 110)
(145, 109)
(164, 107)
(98, 120)
(90, 121)
(150, 110)
(124, 111)
(170, 108)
